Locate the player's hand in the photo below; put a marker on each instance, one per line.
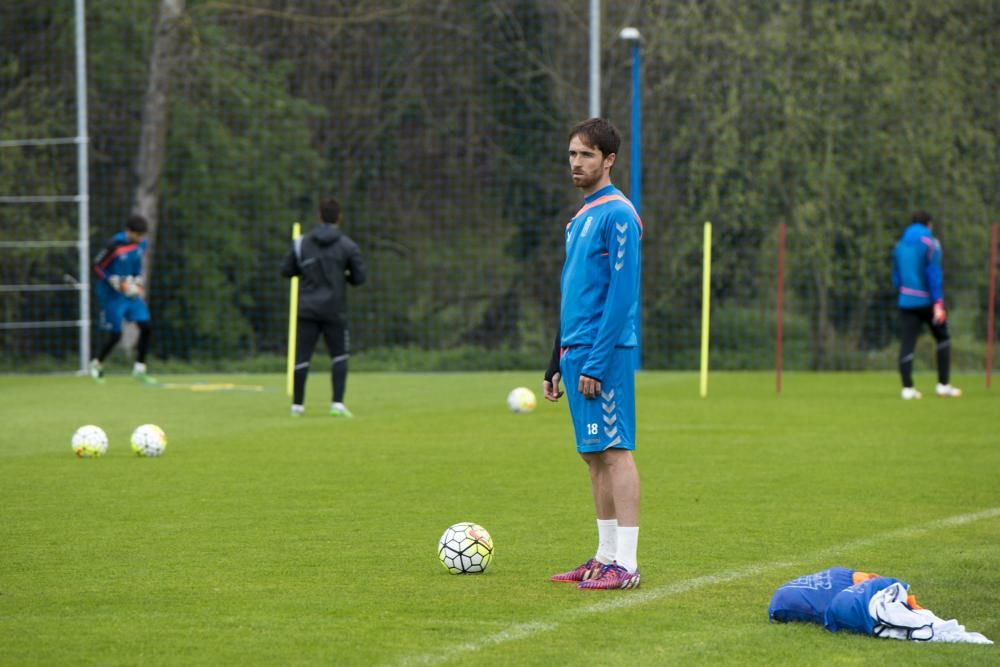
(131, 287)
(550, 388)
(590, 387)
(940, 314)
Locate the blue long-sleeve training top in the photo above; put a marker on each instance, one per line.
(916, 268)
(600, 279)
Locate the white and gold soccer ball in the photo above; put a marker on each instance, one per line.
(521, 400)
(465, 548)
(149, 440)
(89, 442)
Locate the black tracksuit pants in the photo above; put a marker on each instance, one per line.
(911, 322)
(337, 342)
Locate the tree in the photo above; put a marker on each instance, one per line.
(153, 140)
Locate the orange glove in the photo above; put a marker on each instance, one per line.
(130, 286)
(940, 314)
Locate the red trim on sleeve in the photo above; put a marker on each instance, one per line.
(112, 256)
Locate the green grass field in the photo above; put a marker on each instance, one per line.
(262, 539)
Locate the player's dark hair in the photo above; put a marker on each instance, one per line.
(136, 223)
(329, 211)
(599, 133)
(923, 217)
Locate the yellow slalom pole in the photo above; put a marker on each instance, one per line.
(293, 320)
(706, 287)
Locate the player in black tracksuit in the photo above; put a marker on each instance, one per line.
(325, 260)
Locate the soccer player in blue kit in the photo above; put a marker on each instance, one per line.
(118, 268)
(594, 352)
(919, 281)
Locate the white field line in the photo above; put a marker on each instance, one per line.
(620, 600)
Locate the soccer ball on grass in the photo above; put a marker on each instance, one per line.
(521, 400)
(465, 548)
(89, 441)
(149, 440)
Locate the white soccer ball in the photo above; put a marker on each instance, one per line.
(149, 440)
(89, 441)
(465, 548)
(521, 399)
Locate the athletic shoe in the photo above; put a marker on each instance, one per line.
(340, 410)
(143, 377)
(97, 371)
(612, 576)
(298, 410)
(947, 391)
(588, 570)
(910, 394)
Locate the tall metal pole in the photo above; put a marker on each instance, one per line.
(83, 187)
(779, 338)
(595, 58)
(635, 188)
(635, 165)
(992, 305)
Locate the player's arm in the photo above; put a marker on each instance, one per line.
(103, 259)
(356, 272)
(290, 265)
(623, 242)
(897, 278)
(935, 282)
(550, 384)
(105, 269)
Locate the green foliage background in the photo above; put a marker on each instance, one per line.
(441, 127)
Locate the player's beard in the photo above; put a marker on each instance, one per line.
(586, 181)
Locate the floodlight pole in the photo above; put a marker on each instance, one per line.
(595, 58)
(635, 166)
(82, 187)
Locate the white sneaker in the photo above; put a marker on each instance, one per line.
(947, 391)
(298, 410)
(911, 394)
(340, 410)
(96, 371)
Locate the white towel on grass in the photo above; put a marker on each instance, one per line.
(895, 619)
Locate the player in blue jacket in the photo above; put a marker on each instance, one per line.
(118, 268)
(919, 282)
(594, 352)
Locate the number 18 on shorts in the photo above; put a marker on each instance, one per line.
(608, 420)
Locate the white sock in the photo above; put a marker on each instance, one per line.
(139, 368)
(337, 406)
(607, 540)
(298, 409)
(628, 542)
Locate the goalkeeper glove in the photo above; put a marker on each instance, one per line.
(130, 286)
(940, 314)
(136, 287)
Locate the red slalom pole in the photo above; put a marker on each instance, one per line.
(992, 306)
(779, 337)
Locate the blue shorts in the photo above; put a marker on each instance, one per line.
(121, 307)
(609, 420)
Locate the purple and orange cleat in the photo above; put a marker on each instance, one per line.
(588, 570)
(611, 576)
